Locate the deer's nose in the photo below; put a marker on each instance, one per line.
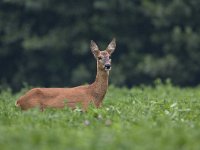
(107, 66)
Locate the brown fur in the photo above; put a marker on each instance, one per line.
(84, 95)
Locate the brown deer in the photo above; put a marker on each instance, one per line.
(84, 95)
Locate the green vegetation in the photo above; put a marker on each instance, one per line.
(163, 117)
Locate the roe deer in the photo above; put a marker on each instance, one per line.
(61, 97)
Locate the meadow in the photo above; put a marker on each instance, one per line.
(160, 117)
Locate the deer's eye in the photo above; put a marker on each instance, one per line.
(99, 58)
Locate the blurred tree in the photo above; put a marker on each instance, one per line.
(46, 42)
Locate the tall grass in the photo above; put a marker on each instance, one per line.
(163, 117)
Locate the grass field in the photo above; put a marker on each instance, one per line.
(163, 117)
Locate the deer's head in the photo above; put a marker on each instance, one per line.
(103, 57)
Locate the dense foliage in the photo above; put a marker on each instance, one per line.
(143, 118)
(46, 42)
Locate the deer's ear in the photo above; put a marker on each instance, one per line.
(94, 48)
(111, 47)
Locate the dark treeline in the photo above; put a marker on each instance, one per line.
(46, 42)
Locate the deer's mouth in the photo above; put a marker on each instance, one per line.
(107, 67)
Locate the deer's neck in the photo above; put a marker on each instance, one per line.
(100, 85)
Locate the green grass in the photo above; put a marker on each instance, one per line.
(141, 118)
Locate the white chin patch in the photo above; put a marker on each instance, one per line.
(107, 69)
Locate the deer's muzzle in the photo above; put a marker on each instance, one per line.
(107, 66)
